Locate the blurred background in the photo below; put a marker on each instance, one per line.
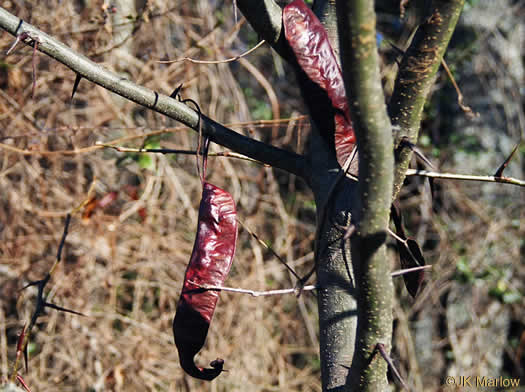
(127, 250)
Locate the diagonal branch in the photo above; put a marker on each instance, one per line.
(160, 103)
(416, 76)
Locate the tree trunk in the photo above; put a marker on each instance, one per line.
(355, 287)
(355, 295)
(336, 300)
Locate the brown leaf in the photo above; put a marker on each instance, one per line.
(411, 256)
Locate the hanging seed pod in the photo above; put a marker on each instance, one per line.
(210, 263)
(309, 41)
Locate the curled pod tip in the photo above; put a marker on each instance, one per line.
(210, 262)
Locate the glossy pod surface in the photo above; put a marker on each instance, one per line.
(210, 263)
(309, 41)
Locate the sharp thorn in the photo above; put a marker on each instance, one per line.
(417, 151)
(176, 92)
(35, 283)
(499, 172)
(75, 86)
(61, 309)
(19, 37)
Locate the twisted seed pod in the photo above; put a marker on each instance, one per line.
(210, 263)
(309, 41)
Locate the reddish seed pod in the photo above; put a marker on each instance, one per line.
(210, 263)
(309, 41)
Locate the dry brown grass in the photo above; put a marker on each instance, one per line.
(125, 272)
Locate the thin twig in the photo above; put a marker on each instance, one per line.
(29, 118)
(231, 154)
(226, 154)
(153, 132)
(396, 236)
(18, 38)
(270, 249)
(229, 60)
(239, 124)
(101, 24)
(255, 293)
(21, 381)
(467, 109)
(295, 290)
(110, 143)
(19, 346)
(408, 270)
(235, 11)
(33, 67)
(218, 133)
(465, 177)
(381, 348)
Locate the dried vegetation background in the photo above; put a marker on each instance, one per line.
(123, 265)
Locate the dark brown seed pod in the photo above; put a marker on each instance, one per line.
(410, 255)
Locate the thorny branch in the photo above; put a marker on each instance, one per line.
(81, 65)
(294, 290)
(41, 305)
(417, 74)
(465, 177)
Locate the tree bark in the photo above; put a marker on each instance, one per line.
(265, 16)
(417, 73)
(346, 302)
(360, 59)
(336, 301)
(337, 209)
